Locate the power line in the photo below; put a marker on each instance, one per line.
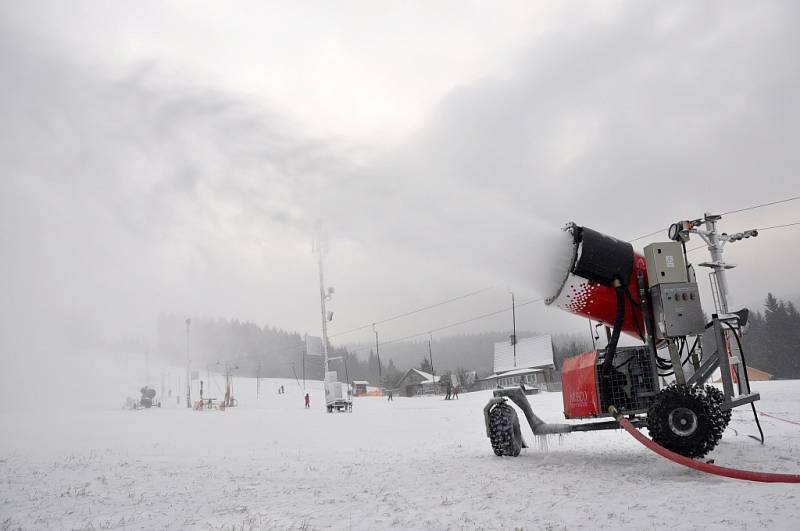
(646, 235)
(758, 229)
(502, 310)
(299, 349)
(412, 312)
(762, 205)
(451, 325)
(780, 226)
(753, 207)
(497, 312)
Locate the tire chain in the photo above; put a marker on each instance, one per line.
(501, 430)
(709, 414)
(716, 395)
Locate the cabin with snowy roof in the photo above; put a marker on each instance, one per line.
(416, 382)
(530, 364)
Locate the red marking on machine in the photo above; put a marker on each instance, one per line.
(599, 303)
(579, 386)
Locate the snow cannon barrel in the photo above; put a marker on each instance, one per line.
(585, 283)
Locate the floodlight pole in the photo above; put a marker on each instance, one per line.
(715, 247)
(716, 243)
(430, 355)
(188, 375)
(319, 247)
(378, 355)
(514, 325)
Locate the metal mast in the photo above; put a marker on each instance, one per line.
(378, 355)
(716, 243)
(514, 325)
(188, 380)
(319, 247)
(430, 355)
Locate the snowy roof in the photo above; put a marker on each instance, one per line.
(536, 351)
(428, 378)
(360, 382)
(515, 372)
(519, 371)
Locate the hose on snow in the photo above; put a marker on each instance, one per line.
(763, 477)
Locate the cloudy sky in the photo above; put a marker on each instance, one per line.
(175, 156)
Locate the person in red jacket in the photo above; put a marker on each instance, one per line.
(308, 401)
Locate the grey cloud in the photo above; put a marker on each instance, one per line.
(118, 189)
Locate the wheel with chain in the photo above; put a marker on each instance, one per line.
(718, 397)
(503, 430)
(686, 419)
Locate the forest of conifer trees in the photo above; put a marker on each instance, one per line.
(770, 342)
(772, 337)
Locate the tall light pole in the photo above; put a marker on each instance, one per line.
(188, 381)
(430, 355)
(378, 355)
(514, 325)
(320, 248)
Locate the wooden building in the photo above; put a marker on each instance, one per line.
(530, 364)
(416, 382)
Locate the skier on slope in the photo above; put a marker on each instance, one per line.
(308, 401)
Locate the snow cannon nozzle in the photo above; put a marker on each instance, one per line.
(602, 272)
(601, 258)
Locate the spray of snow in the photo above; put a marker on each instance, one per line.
(555, 263)
(529, 254)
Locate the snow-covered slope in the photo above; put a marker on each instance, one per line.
(414, 463)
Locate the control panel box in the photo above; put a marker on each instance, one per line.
(665, 263)
(676, 309)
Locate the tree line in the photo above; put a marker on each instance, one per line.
(772, 337)
(252, 350)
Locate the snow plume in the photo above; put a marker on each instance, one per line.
(125, 197)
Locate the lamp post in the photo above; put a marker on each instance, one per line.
(188, 375)
(514, 326)
(430, 355)
(320, 247)
(378, 355)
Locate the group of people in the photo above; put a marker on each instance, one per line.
(281, 390)
(452, 392)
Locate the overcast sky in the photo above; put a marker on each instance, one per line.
(174, 156)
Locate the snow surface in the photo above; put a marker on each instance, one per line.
(414, 463)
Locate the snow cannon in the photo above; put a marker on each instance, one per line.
(148, 396)
(602, 272)
(661, 383)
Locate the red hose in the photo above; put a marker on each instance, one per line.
(778, 418)
(764, 477)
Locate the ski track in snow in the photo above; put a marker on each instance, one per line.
(415, 463)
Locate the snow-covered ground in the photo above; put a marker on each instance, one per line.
(415, 463)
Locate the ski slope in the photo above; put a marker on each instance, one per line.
(414, 463)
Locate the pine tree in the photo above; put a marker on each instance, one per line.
(425, 366)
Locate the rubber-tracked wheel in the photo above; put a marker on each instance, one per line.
(504, 430)
(686, 420)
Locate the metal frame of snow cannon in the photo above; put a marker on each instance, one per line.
(538, 426)
(686, 416)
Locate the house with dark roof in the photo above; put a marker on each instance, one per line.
(416, 382)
